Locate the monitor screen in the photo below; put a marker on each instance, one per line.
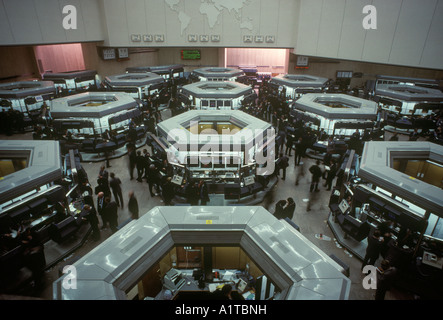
(344, 206)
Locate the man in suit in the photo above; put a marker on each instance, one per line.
(288, 210)
(133, 205)
(316, 175)
(111, 213)
(100, 208)
(115, 184)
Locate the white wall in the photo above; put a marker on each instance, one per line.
(41, 22)
(409, 32)
(177, 19)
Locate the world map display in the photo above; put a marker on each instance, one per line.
(212, 10)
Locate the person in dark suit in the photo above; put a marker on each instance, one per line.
(168, 191)
(115, 185)
(331, 174)
(316, 175)
(133, 205)
(299, 151)
(283, 164)
(386, 275)
(192, 194)
(152, 179)
(101, 208)
(132, 159)
(375, 242)
(288, 210)
(224, 293)
(111, 213)
(204, 192)
(90, 215)
(279, 209)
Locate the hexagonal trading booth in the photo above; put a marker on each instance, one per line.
(138, 85)
(26, 96)
(87, 115)
(216, 95)
(295, 85)
(407, 106)
(278, 261)
(73, 80)
(230, 150)
(217, 74)
(174, 71)
(337, 114)
(397, 190)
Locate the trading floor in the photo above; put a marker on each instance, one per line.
(313, 223)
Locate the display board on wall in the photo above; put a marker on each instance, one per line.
(190, 54)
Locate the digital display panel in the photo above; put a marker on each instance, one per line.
(190, 54)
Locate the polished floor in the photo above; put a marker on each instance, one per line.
(311, 223)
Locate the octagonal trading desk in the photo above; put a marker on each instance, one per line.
(217, 74)
(174, 71)
(96, 108)
(297, 85)
(337, 114)
(297, 268)
(217, 95)
(138, 85)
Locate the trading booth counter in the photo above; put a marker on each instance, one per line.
(337, 106)
(213, 95)
(24, 89)
(139, 85)
(82, 79)
(337, 114)
(408, 100)
(295, 266)
(91, 105)
(43, 166)
(216, 74)
(27, 96)
(299, 84)
(175, 71)
(377, 167)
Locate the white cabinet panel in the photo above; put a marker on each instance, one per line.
(308, 27)
(330, 28)
(432, 55)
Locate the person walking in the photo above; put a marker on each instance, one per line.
(316, 175)
(101, 208)
(115, 184)
(140, 163)
(111, 213)
(133, 205)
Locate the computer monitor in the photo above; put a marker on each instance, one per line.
(343, 206)
(241, 285)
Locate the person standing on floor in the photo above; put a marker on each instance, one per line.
(90, 215)
(132, 159)
(283, 164)
(385, 278)
(168, 191)
(204, 192)
(331, 173)
(299, 151)
(101, 208)
(289, 209)
(133, 205)
(279, 209)
(316, 175)
(111, 213)
(375, 241)
(115, 184)
(140, 163)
